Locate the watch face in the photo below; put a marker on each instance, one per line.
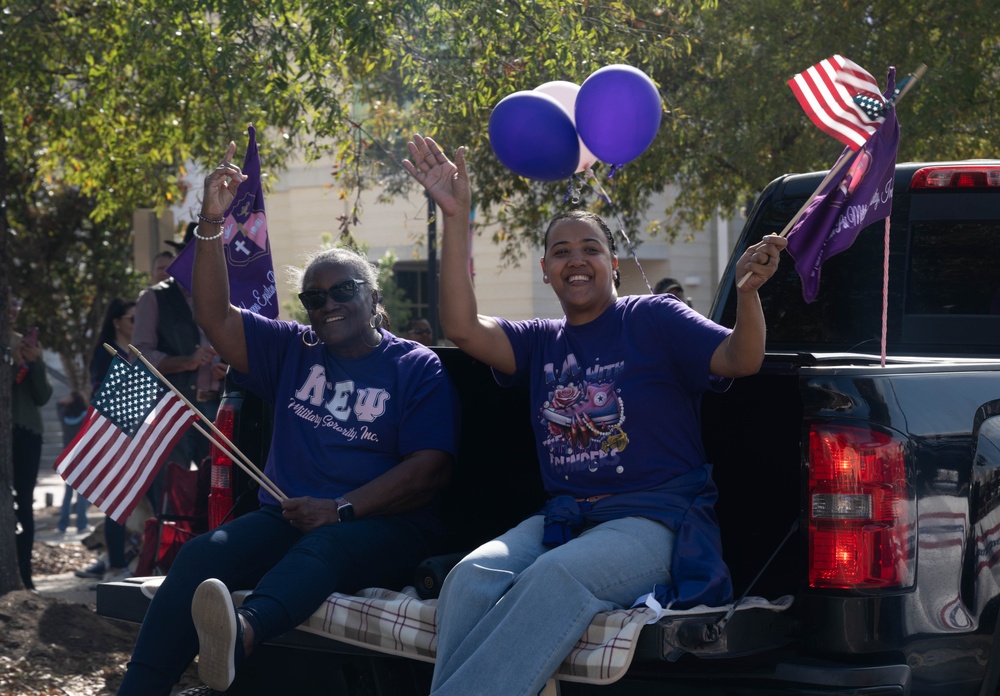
(346, 512)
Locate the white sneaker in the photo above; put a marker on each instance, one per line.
(215, 620)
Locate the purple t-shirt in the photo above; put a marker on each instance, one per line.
(339, 423)
(615, 403)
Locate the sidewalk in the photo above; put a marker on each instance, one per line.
(64, 585)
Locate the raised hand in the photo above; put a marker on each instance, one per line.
(221, 185)
(447, 182)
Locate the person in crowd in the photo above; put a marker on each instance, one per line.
(161, 262)
(116, 331)
(72, 410)
(30, 391)
(168, 337)
(673, 287)
(420, 331)
(614, 387)
(365, 431)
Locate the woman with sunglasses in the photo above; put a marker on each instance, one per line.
(365, 430)
(615, 387)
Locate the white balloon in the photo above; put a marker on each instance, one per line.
(565, 93)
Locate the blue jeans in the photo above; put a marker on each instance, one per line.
(68, 509)
(511, 611)
(291, 573)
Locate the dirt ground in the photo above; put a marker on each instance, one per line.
(53, 643)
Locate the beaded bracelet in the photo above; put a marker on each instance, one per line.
(206, 239)
(210, 221)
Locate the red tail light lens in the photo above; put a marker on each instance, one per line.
(861, 509)
(220, 496)
(962, 176)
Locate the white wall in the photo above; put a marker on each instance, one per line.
(305, 204)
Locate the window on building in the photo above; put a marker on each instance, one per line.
(411, 278)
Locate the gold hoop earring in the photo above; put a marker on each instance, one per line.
(307, 343)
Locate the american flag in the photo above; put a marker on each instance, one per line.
(860, 196)
(133, 424)
(842, 99)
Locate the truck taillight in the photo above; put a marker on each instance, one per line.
(220, 496)
(958, 176)
(861, 508)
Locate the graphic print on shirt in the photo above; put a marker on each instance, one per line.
(332, 405)
(584, 414)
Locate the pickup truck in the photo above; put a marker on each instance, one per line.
(859, 501)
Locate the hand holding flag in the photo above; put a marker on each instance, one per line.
(238, 192)
(858, 193)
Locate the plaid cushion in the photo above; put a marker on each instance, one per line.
(400, 623)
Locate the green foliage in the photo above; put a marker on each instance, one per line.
(110, 101)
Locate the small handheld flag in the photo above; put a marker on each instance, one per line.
(133, 424)
(848, 202)
(842, 99)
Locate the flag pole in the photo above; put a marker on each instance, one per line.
(241, 460)
(273, 491)
(905, 86)
(228, 450)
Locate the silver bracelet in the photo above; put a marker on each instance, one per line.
(206, 239)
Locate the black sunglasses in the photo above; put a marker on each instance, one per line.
(341, 292)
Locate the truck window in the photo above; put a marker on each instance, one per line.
(847, 313)
(944, 282)
(954, 268)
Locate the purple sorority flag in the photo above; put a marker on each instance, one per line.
(248, 252)
(847, 204)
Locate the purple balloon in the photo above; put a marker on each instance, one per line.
(533, 136)
(618, 113)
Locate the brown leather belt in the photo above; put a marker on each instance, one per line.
(207, 395)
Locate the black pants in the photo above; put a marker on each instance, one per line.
(26, 448)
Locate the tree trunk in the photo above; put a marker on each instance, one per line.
(10, 579)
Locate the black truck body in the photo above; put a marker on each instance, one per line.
(870, 493)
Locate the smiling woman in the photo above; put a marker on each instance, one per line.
(365, 431)
(341, 294)
(630, 498)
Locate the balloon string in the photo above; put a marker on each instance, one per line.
(621, 225)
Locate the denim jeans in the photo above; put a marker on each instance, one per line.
(69, 508)
(511, 611)
(291, 573)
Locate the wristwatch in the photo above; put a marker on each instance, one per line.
(345, 511)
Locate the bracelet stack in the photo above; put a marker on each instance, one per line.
(209, 221)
